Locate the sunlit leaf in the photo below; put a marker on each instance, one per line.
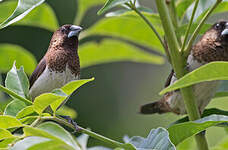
(4, 144)
(114, 51)
(5, 134)
(7, 122)
(14, 107)
(222, 145)
(157, 139)
(182, 131)
(110, 4)
(67, 111)
(134, 29)
(27, 111)
(9, 53)
(23, 8)
(217, 72)
(17, 81)
(43, 101)
(37, 17)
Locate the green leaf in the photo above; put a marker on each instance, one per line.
(217, 72)
(5, 134)
(157, 139)
(134, 29)
(43, 101)
(67, 111)
(121, 12)
(110, 4)
(9, 53)
(37, 17)
(23, 8)
(4, 144)
(182, 131)
(25, 112)
(52, 131)
(28, 120)
(114, 51)
(17, 81)
(28, 142)
(51, 145)
(7, 122)
(14, 107)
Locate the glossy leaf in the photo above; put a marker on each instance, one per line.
(14, 107)
(157, 139)
(25, 112)
(5, 134)
(7, 122)
(217, 72)
(28, 142)
(43, 101)
(17, 81)
(37, 17)
(23, 8)
(110, 4)
(113, 51)
(182, 131)
(52, 131)
(134, 29)
(9, 53)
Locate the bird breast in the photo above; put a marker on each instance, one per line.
(50, 80)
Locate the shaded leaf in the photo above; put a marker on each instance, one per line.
(9, 53)
(110, 4)
(37, 17)
(14, 107)
(113, 51)
(217, 72)
(123, 11)
(4, 144)
(7, 122)
(17, 81)
(23, 8)
(134, 29)
(5, 134)
(182, 131)
(181, 7)
(50, 145)
(157, 139)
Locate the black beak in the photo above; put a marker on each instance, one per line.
(74, 31)
(225, 31)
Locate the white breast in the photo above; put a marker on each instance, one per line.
(203, 91)
(50, 80)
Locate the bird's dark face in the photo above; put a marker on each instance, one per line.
(66, 35)
(221, 29)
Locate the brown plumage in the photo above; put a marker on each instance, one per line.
(60, 64)
(213, 46)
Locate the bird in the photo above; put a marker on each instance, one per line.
(60, 64)
(212, 46)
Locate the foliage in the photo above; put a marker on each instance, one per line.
(116, 43)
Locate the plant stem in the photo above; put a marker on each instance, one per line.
(4, 89)
(189, 25)
(132, 6)
(179, 64)
(196, 32)
(86, 131)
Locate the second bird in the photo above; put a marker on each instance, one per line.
(60, 64)
(213, 46)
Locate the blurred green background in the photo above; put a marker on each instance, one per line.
(110, 104)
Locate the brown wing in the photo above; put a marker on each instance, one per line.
(37, 72)
(168, 80)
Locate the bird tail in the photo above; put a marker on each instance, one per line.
(155, 107)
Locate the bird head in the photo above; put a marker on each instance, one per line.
(66, 35)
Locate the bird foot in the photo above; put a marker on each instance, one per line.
(71, 121)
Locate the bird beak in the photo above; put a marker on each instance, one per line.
(74, 31)
(225, 31)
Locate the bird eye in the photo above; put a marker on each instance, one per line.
(218, 26)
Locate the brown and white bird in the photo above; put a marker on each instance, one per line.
(213, 46)
(60, 64)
